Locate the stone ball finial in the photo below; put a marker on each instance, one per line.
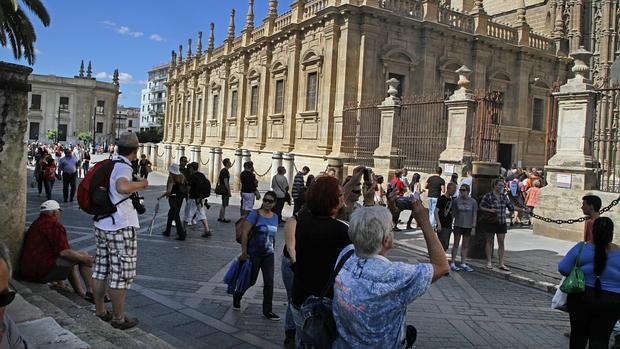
(464, 73)
(392, 87)
(581, 57)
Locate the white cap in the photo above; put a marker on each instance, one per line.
(174, 169)
(50, 205)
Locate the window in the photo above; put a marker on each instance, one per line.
(199, 110)
(64, 103)
(99, 127)
(62, 133)
(100, 107)
(35, 103)
(448, 89)
(311, 87)
(188, 114)
(401, 83)
(34, 131)
(254, 100)
(130, 123)
(233, 104)
(216, 105)
(279, 107)
(538, 115)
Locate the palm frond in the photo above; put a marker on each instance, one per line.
(16, 28)
(37, 7)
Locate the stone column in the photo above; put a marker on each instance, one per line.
(147, 150)
(167, 157)
(246, 156)
(288, 161)
(180, 152)
(140, 150)
(153, 155)
(338, 164)
(211, 165)
(13, 115)
(194, 155)
(238, 168)
(461, 115)
(483, 173)
(217, 163)
(387, 154)
(276, 161)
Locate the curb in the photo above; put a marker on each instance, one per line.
(506, 275)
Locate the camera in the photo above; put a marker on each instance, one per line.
(138, 203)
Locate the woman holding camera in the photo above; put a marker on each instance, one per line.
(176, 190)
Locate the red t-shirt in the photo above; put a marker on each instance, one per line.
(399, 185)
(45, 239)
(589, 228)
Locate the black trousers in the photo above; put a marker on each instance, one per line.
(174, 215)
(40, 180)
(279, 207)
(266, 265)
(68, 180)
(592, 318)
(49, 185)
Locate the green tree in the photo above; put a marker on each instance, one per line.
(16, 28)
(51, 134)
(85, 137)
(154, 135)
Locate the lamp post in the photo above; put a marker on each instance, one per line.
(57, 137)
(94, 129)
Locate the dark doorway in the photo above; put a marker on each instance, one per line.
(34, 131)
(505, 155)
(62, 133)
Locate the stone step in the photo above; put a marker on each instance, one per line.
(77, 316)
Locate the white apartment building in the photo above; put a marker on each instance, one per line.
(153, 99)
(70, 106)
(127, 120)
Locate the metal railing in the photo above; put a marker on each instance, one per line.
(607, 139)
(361, 126)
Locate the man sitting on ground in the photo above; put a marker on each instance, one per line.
(47, 256)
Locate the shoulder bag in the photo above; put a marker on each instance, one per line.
(575, 282)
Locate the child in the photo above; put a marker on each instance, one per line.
(532, 198)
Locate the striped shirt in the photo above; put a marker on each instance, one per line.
(298, 185)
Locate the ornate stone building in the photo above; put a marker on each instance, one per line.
(283, 85)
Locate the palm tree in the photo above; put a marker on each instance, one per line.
(16, 28)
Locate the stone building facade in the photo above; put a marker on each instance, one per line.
(283, 85)
(68, 105)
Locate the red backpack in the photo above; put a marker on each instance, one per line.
(93, 194)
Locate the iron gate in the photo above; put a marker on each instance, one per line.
(552, 122)
(487, 124)
(360, 132)
(605, 140)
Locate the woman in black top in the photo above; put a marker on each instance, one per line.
(145, 166)
(176, 190)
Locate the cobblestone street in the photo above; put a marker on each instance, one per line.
(179, 295)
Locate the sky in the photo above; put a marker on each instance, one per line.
(131, 35)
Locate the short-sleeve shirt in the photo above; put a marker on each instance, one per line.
(371, 298)
(126, 215)
(224, 177)
(532, 199)
(398, 185)
(464, 211)
(46, 238)
(263, 234)
(434, 184)
(248, 182)
(444, 205)
(500, 204)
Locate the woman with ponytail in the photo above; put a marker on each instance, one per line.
(594, 312)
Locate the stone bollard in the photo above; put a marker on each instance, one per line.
(483, 173)
(217, 164)
(288, 160)
(211, 166)
(153, 156)
(238, 168)
(338, 164)
(276, 161)
(246, 156)
(180, 153)
(194, 154)
(167, 157)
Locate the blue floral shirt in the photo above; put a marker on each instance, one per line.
(371, 298)
(263, 234)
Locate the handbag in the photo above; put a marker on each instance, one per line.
(559, 299)
(575, 281)
(257, 194)
(287, 196)
(319, 328)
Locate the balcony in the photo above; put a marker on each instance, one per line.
(157, 100)
(158, 88)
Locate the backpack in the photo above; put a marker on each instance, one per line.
(93, 194)
(200, 187)
(239, 227)
(50, 172)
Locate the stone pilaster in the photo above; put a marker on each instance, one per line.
(238, 168)
(14, 90)
(217, 164)
(167, 157)
(211, 166)
(387, 154)
(288, 161)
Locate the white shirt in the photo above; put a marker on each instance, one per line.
(125, 215)
(469, 180)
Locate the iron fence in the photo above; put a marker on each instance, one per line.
(552, 122)
(487, 125)
(361, 126)
(605, 140)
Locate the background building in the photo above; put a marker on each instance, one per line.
(127, 120)
(71, 106)
(153, 101)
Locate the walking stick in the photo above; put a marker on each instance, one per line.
(154, 216)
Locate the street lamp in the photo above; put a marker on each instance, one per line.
(94, 129)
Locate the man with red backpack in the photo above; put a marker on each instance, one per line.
(116, 254)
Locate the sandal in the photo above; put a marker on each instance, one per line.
(126, 324)
(107, 317)
(489, 266)
(88, 296)
(505, 268)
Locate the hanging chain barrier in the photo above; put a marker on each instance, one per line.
(160, 155)
(295, 167)
(563, 221)
(264, 174)
(204, 163)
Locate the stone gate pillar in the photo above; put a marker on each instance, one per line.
(167, 157)
(338, 165)
(461, 115)
(483, 173)
(288, 161)
(238, 168)
(14, 90)
(276, 161)
(387, 154)
(194, 154)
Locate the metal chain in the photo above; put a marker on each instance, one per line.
(173, 157)
(160, 155)
(563, 221)
(264, 174)
(204, 163)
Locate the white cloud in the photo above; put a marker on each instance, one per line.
(109, 23)
(125, 77)
(156, 37)
(37, 51)
(103, 76)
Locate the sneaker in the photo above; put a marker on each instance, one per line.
(126, 324)
(166, 233)
(272, 316)
(396, 229)
(206, 234)
(189, 223)
(236, 304)
(467, 268)
(453, 267)
(174, 224)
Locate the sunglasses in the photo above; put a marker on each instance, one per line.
(268, 201)
(6, 298)
(357, 191)
(463, 190)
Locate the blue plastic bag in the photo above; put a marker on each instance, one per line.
(238, 276)
(230, 278)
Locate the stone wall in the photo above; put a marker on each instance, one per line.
(14, 90)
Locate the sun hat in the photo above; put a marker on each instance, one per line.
(174, 169)
(50, 205)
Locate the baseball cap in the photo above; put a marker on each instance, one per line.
(50, 205)
(129, 140)
(174, 169)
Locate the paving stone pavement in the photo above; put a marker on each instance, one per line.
(179, 295)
